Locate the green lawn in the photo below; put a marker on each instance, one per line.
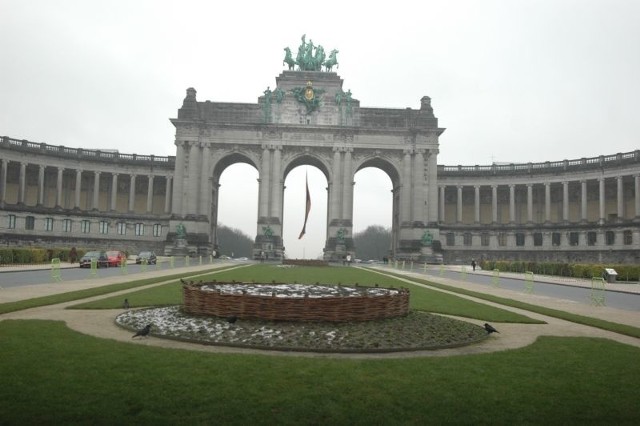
(52, 375)
(421, 298)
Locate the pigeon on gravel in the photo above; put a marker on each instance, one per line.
(490, 328)
(143, 332)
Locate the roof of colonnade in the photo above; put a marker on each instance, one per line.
(620, 160)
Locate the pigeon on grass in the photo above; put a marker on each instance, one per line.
(143, 332)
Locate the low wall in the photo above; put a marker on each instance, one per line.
(361, 307)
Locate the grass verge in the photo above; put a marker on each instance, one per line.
(95, 291)
(627, 330)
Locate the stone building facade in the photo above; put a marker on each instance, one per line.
(573, 210)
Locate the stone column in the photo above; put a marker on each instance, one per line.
(276, 183)
(530, 203)
(637, 195)
(78, 188)
(41, 185)
(132, 193)
(476, 199)
(22, 182)
(194, 174)
(205, 181)
(419, 191)
(59, 187)
(442, 200)
(178, 187)
(263, 196)
(150, 194)
(405, 191)
(565, 201)
(512, 203)
(432, 187)
(494, 203)
(620, 198)
(602, 201)
(583, 200)
(547, 202)
(459, 205)
(347, 206)
(3, 181)
(114, 191)
(167, 197)
(96, 190)
(335, 207)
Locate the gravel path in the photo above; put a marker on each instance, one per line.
(100, 323)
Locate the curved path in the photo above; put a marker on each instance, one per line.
(100, 323)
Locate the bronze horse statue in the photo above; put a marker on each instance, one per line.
(288, 59)
(333, 60)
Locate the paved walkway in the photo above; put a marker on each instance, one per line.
(100, 323)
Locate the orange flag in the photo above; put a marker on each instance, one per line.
(308, 209)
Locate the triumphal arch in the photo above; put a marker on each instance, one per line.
(308, 118)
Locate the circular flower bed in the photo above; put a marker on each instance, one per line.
(415, 331)
(294, 302)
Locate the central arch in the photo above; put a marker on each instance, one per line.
(284, 130)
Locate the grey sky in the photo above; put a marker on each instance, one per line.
(512, 81)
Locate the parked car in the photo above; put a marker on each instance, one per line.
(148, 256)
(99, 256)
(116, 257)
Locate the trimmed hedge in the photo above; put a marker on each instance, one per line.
(576, 270)
(25, 256)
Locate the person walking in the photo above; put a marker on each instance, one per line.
(473, 264)
(73, 255)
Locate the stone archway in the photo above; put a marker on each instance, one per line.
(285, 129)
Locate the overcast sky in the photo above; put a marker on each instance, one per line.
(510, 80)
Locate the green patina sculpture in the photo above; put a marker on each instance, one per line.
(341, 234)
(266, 106)
(288, 59)
(279, 93)
(267, 96)
(181, 231)
(308, 96)
(332, 61)
(267, 231)
(427, 239)
(310, 57)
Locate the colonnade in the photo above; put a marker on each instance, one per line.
(546, 201)
(95, 201)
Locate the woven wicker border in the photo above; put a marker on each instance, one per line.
(330, 308)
